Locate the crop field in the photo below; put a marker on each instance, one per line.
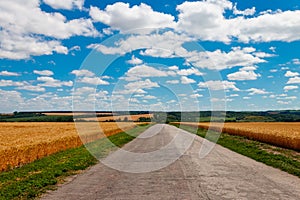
(72, 114)
(284, 134)
(119, 117)
(22, 143)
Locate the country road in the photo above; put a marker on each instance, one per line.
(222, 174)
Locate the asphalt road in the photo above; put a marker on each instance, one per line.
(222, 174)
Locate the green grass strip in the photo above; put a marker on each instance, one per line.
(285, 159)
(33, 179)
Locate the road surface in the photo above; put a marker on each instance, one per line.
(222, 174)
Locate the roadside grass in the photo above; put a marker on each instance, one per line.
(33, 179)
(285, 159)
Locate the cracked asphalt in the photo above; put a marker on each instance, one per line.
(222, 174)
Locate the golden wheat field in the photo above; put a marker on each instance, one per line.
(22, 143)
(284, 134)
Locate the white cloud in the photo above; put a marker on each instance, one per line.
(293, 80)
(174, 67)
(206, 20)
(291, 74)
(43, 72)
(120, 16)
(93, 81)
(11, 100)
(186, 80)
(149, 97)
(166, 44)
(18, 47)
(27, 31)
(6, 73)
(247, 12)
(84, 91)
(263, 54)
(290, 87)
(5, 83)
(146, 84)
(135, 61)
(34, 88)
(82, 72)
(170, 45)
(128, 91)
(51, 82)
(65, 4)
(245, 73)
(189, 71)
(196, 95)
(284, 102)
(273, 70)
(143, 71)
(219, 60)
(254, 91)
(218, 85)
(246, 98)
(273, 49)
(287, 98)
(296, 61)
(172, 81)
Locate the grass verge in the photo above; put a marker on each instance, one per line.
(285, 159)
(33, 179)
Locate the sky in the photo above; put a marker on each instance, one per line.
(149, 55)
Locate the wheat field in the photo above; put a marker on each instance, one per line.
(21, 143)
(119, 117)
(284, 134)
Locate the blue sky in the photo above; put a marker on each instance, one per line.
(149, 55)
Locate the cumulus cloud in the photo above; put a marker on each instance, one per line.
(219, 60)
(145, 84)
(294, 80)
(93, 81)
(135, 61)
(11, 99)
(166, 44)
(254, 91)
(291, 74)
(189, 71)
(186, 80)
(43, 72)
(143, 71)
(120, 16)
(7, 73)
(82, 72)
(33, 88)
(65, 4)
(170, 45)
(5, 83)
(206, 20)
(247, 12)
(218, 85)
(196, 95)
(27, 31)
(245, 73)
(296, 61)
(172, 81)
(51, 82)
